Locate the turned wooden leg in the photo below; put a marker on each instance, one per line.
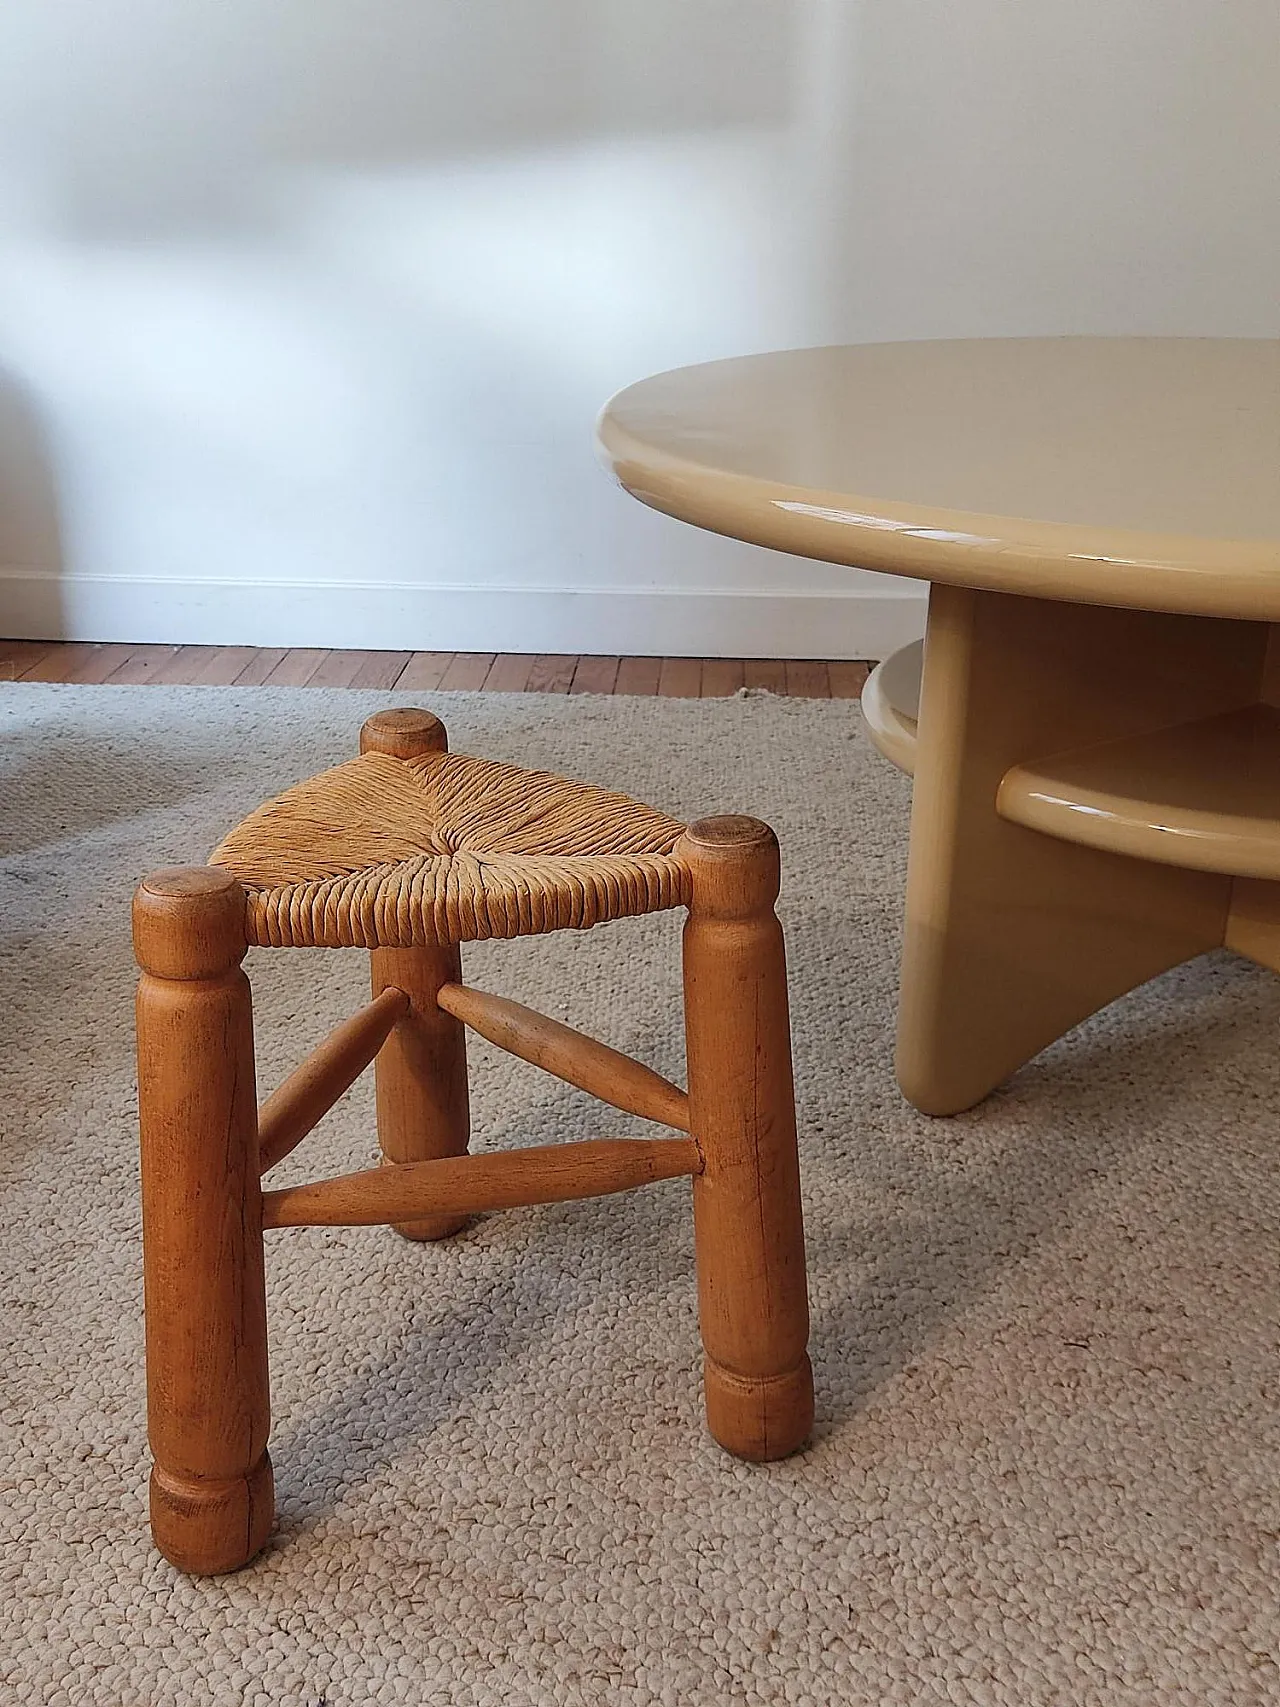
(1014, 936)
(420, 1072)
(752, 1296)
(212, 1502)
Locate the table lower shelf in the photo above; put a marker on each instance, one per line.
(1203, 795)
(891, 705)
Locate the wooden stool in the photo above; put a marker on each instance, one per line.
(409, 851)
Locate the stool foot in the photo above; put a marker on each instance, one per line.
(749, 1235)
(759, 1417)
(208, 1527)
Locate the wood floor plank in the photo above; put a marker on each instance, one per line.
(424, 671)
(61, 658)
(768, 673)
(552, 672)
(847, 678)
(225, 665)
(141, 664)
(638, 676)
(381, 669)
(106, 659)
(807, 678)
(13, 648)
(680, 678)
(297, 667)
(183, 669)
(721, 677)
(248, 666)
(510, 673)
(594, 674)
(260, 666)
(18, 656)
(467, 671)
(360, 669)
(338, 670)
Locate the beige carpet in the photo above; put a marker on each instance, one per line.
(1047, 1464)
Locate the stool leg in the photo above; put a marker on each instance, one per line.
(208, 1407)
(420, 1072)
(752, 1293)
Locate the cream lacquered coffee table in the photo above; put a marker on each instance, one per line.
(1097, 753)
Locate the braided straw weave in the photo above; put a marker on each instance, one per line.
(387, 852)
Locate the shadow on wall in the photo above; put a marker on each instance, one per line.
(30, 531)
(331, 301)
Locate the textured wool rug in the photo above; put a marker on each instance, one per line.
(1047, 1462)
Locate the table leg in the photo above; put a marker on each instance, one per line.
(1012, 936)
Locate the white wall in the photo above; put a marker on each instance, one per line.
(1033, 166)
(310, 303)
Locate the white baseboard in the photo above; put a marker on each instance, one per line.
(40, 604)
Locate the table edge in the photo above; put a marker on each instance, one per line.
(1007, 554)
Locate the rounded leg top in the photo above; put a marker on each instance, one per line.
(736, 866)
(404, 732)
(188, 922)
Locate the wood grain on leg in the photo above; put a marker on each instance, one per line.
(206, 1325)
(748, 1231)
(460, 1186)
(420, 1074)
(297, 1106)
(570, 1055)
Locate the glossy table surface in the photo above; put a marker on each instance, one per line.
(1142, 472)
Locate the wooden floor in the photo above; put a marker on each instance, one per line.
(502, 672)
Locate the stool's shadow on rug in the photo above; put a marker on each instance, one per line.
(474, 1333)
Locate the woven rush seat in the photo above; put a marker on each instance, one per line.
(442, 848)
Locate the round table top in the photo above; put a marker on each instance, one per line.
(1117, 471)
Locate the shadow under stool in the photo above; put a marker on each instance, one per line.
(409, 851)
